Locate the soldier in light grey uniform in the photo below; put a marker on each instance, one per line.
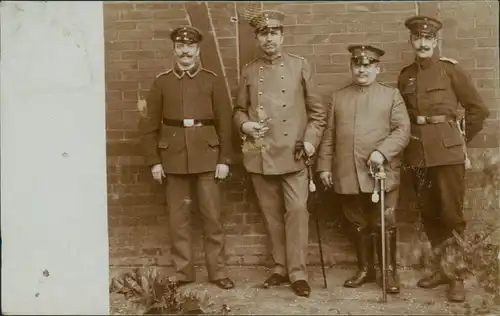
(277, 107)
(368, 126)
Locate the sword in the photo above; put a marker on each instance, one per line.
(379, 178)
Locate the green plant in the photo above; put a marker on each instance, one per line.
(151, 292)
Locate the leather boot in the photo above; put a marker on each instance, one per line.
(363, 242)
(437, 278)
(456, 291)
(392, 281)
(432, 281)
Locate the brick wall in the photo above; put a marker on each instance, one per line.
(137, 48)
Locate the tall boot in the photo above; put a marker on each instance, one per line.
(392, 276)
(363, 242)
(437, 277)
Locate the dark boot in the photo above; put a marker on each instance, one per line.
(363, 242)
(392, 281)
(456, 291)
(437, 278)
(432, 281)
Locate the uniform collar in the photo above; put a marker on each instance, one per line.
(272, 60)
(426, 62)
(365, 88)
(192, 72)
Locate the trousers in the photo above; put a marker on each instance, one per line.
(440, 191)
(179, 192)
(283, 202)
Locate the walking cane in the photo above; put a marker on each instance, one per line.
(312, 189)
(380, 177)
(299, 152)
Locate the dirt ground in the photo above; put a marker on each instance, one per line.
(249, 298)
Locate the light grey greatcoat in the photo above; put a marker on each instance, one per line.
(361, 120)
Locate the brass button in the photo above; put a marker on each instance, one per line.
(284, 121)
(284, 105)
(286, 134)
(282, 77)
(283, 90)
(260, 93)
(261, 68)
(282, 65)
(261, 80)
(261, 107)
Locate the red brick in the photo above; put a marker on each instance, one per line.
(486, 63)
(121, 26)
(313, 19)
(136, 15)
(153, 5)
(113, 95)
(110, 35)
(170, 14)
(486, 42)
(116, 6)
(362, 7)
(138, 75)
(121, 105)
(113, 135)
(135, 35)
(299, 30)
(122, 65)
(299, 49)
(122, 45)
(330, 8)
(393, 6)
(136, 55)
(487, 83)
(113, 55)
(477, 32)
(479, 53)
(459, 43)
(482, 73)
(329, 49)
(129, 96)
(329, 28)
(150, 44)
(336, 68)
(155, 64)
(307, 39)
(121, 85)
(110, 16)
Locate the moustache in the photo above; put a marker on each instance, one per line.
(424, 49)
(185, 55)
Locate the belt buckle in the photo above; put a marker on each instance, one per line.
(421, 120)
(188, 122)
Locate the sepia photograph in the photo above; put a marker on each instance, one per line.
(237, 158)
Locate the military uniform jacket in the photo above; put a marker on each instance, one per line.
(434, 87)
(281, 93)
(178, 95)
(360, 121)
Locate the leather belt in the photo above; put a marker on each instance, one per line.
(422, 120)
(188, 122)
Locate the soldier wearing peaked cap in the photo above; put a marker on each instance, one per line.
(433, 88)
(278, 108)
(187, 139)
(367, 127)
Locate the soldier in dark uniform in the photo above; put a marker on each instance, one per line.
(432, 88)
(277, 106)
(187, 138)
(367, 127)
